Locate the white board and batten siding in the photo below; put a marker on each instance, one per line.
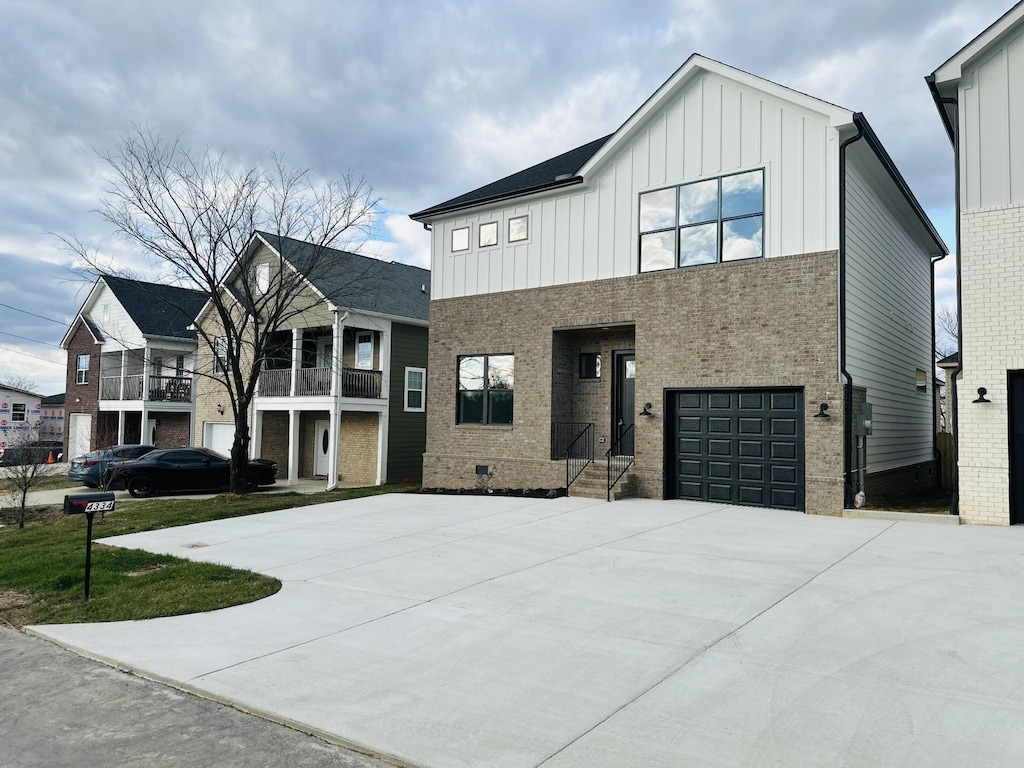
(708, 126)
(991, 98)
(118, 329)
(888, 316)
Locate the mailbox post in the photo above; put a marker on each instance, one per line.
(88, 504)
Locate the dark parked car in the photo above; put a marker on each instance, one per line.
(36, 452)
(188, 469)
(88, 469)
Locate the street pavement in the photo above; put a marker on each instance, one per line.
(59, 710)
(569, 633)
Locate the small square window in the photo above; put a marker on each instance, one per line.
(460, 239)
(590, 365)
(518, 229)
(488, 234)
(18, 412)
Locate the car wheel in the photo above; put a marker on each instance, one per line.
(251, 482)
(140, 486)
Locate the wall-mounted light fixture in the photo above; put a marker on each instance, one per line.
(981, 396)
(220, 409)
(647, 410)
(823, 412)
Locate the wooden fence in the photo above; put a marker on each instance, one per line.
(944, 444)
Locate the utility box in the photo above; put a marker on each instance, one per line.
(864, 420)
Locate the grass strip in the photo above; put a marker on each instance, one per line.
(42, 566)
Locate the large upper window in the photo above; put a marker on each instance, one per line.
(220, 354)
(82, 369)
(703, 222)
(486, 384)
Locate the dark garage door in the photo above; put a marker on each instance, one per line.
(740, 446)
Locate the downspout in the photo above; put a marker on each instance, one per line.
(337, 354)
(953, 129)
(848, 389)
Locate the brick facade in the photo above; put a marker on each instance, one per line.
(357, 453)
(82, 398)
(762, 323)
(992, 273)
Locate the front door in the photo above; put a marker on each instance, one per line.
(625, 401)
(321, 448)
(1016, 382)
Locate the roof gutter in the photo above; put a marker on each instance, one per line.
(432, 212)
(941, 102)
(848, 388)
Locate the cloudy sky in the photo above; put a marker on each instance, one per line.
(426, 99)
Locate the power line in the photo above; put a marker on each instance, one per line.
(26, 312)
(34, 341)
(26, 354)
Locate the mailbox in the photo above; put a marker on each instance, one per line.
(88, 503)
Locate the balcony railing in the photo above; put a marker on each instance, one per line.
(316, 382)
(121, 387)
(170, 389)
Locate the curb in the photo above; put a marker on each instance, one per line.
(906, 517)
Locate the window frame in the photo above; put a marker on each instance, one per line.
(597, 367)
(719, 222)
(355, 351)
(15, 412)
(508, 229)
(480, 234)
(422, 390)
(81, 372)
(485, 403)
(220, 354)
(451, 240)
(262, 277)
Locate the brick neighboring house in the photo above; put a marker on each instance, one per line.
(342, 394)
(130, 363)
(979, 93)
(691, 293)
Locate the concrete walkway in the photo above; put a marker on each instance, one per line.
(460, 631)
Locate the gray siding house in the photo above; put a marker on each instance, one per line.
(702, 299)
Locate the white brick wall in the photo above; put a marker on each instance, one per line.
(992, 284)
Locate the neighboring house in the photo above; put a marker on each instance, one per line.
(52, 415)
(690, 292)
(342, 394)
(979, 93)
(21, 411)
(130, 362)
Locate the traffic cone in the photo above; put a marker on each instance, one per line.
(50, 459)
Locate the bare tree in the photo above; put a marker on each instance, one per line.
(26, 469)
(196, 215)
(947, 332)
(19, 382)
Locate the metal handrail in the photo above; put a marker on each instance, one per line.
(622, 463)
(579, 454)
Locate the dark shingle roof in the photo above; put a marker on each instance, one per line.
(533, 179)
(358, 282)
(53, 400)
(952, 359)
(158, 310)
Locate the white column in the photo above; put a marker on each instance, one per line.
(124, 372)
(385, 360)
(382, 447)
(146, 368)
(293, 447)
(120, 423)
(296, 356)
(256, 443)
(332, 450)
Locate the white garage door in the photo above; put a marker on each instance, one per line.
(79, 435)
(219, 437)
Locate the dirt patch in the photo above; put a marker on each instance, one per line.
(145, 571)
(45, 514)
(14, 607)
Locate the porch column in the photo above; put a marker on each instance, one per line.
(256, 441)
(146, 368)
(293, 446)
(382, 447)
(124, 372)
(120, 421)
(296, 356)
(385, 360)
(332, 449)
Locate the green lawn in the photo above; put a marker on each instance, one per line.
(42, 566)
(46, 484)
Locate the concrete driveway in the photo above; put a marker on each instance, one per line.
(460, 631)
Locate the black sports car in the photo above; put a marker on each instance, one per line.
(187, 469)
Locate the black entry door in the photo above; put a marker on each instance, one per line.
(625, 401)
(740, 447)
(1016, 383)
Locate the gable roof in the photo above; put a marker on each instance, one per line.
(357, 282)
(157, 310)
(556, 172)
(19, 390)
(952, 68)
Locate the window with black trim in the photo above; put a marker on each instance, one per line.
(486, 385)
(590, 365)
(703, 222)
(18, 411)
(82, 369)
(488, 234)
(460, 239)
(220, 354)
(518, 229)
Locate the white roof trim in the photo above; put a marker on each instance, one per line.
(84, 309)
(692, 67)
(953, 68)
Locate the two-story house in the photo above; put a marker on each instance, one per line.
(979, 93)
(21, 416)
(341, 393)
(709, 294)
(130, 361)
